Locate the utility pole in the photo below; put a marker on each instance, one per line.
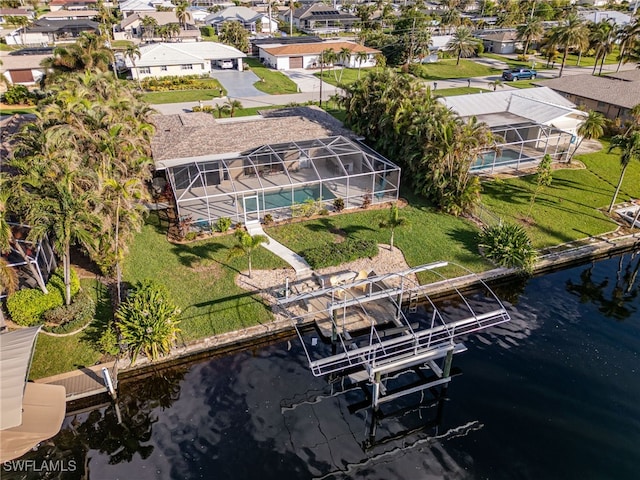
(533, 9)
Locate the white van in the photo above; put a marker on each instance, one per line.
(225, 64)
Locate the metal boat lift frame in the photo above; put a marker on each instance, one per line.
(392, 349)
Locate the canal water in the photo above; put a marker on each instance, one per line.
(553, 394)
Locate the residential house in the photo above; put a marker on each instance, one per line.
(597, 16)
(318, 18)
(181, 59)
(500, 42)
(70, 15)
(132, 27)
(55, 5)
(131, 7)
(245, 168)
(23, 69)
(250, 20)
(307, 55)
(531, 123)
(612, 95)
(47, 32)
(197, 14)
(255, 43)
(15, 12)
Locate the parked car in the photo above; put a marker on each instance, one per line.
(519, 74)
(225, 64)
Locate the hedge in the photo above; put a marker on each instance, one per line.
(27, 306)
(69, 318)
(331, 254)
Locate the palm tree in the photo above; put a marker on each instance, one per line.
(530, 32)
(591, 128)
(232, 106)
(182, 15)
(222, 108)
(496, 83)
(344, 58)
(394, 221)
(246, 244)
(20, 21)
(361, 57)
(602, 39)
(131, 52)
(628, 37)
(571, 33)
(329, 57)
(149, 26)
(463, 44)
(629, 146)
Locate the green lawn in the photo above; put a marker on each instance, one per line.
(200, 279)
(247, 112)
(447, 68)
(540, 64)
(428, 237)
(272, 81)
(568, 209)
(349, 75)
(589, 61)
(55, 355)
(9, 110)
(178, 96)
(452, 92)
(522, 83)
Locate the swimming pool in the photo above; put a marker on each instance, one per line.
(505, 157)
(282, 198)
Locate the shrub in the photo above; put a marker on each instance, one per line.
(508, 245)
(366, 200)
(207, 31)
(27, 306)
(191, 236)
(223, 224)
(331, 254)
(268, 219)
(148, 320)
(338, 204)
(68, 318)
(307, 209)
(108, 341)
(18, 94)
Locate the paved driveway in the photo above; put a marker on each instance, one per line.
(307, 82)
(238, 84)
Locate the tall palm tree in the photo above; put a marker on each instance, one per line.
(628, 37)
(361, 57)
(602, 36)
(462, 44)
(246, 244)
(531, 31)
(591, 128)
(131, 52)
(394, 221)
(571, 33)
(629, 146)
(182, 14)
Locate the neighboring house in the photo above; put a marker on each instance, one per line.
(307, 55)
(171, 59)
(255, 43)
(250, 20)
(132, 27)
(319, 18)
(531, 123)
(245, 168)
(15, 12)
(23, 69)
(45, 32)
(70, 15)
(500, 42)
(131, 7)
(212, 3)
(597, 16)
(198, 14)
(55, 5)
(612, 95)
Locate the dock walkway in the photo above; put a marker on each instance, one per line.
(81, 383)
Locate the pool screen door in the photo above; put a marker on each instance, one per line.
(251, 209)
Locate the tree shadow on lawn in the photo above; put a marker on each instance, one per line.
(327, 225)
(505, 192)
(468, 239)
(564, 183)
(191, 255)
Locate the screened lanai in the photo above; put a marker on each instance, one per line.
(271, 179)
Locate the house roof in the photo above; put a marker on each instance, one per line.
(239, 14)
(538, 105)
(318, 11)
(46, 26)
(72, 2)
(158, 54)
(619, 18)
(183, 137)
(316, 48)
(621, 89)
(22, 62)
(70, 14)
(16, 12)
(501, 37)
(163, 18)
(136, 6)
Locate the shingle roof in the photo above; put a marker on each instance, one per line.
(157, 54)
(198, 134)
(242, 14)
(70, 14)
(501, 37)
(20, 62)
(623, 91)
(316, 48)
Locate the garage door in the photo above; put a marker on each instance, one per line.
(295, 62)
(22, 76)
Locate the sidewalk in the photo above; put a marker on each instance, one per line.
(299, 264)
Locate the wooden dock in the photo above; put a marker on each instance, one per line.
(81, 383)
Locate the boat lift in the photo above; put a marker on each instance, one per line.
(375, 328)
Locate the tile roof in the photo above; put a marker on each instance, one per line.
(316, 48)
(157, 54)
(70, 14)
(622, 90)
(199, 134)
(501, 37)
(242, 14)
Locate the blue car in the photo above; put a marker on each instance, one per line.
(515, 74)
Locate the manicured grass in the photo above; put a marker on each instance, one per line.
(428, 237)
(452, 92)
(247, 112)
(200, 279)
(272, 81)
(540, 64)
(522, 83)
(54, 355)
(447, 68)
(177, 96)
(589, 61)
(568, 209)
(349, 75)
(121, 44)
(8, 48)
(9, 110)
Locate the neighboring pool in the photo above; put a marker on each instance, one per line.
(282, 198)
(505, 157)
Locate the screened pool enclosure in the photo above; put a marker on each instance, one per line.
(272, 179)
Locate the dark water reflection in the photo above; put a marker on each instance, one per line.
(552, 394)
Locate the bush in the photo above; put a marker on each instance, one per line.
(108, 341)
(69, 318)
(508, 245)
(268, 219)
(207, 31)
(306, 209)
(27, 306)
(223, 224)
(331, 254)
(18, 94)
(338, 204)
